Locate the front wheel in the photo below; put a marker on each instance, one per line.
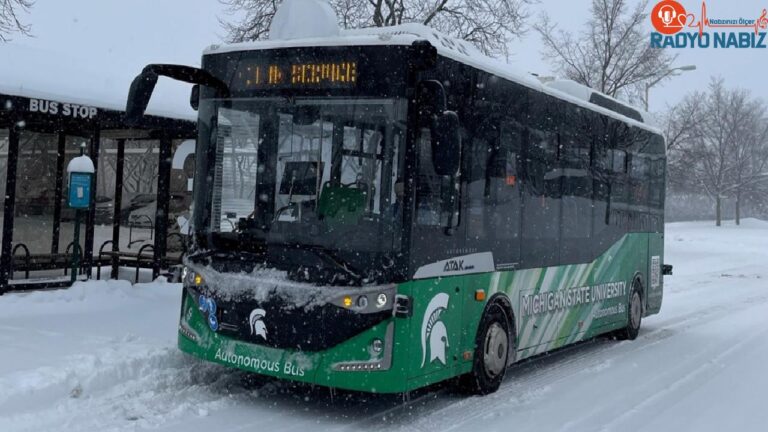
(491, 354)
(635, 312)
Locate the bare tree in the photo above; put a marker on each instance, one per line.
(612, 54)
(707, 157)
(10, 22)
(682, 122)
(489, 24)
(749, 150)
(721, 146)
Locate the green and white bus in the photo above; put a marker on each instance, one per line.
(388, 209)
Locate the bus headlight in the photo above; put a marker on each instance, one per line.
(190, 278)
(377, 346)
(366, 300)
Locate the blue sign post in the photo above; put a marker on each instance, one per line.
(81, 171)
(80, 190)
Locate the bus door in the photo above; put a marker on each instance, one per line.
(438, 261)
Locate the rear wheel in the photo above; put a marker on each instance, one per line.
(635, 314)
(491, 354)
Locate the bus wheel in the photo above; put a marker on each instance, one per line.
(491, 352)
(635, 314)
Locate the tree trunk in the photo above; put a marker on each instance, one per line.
(718, 211)
(738, 208)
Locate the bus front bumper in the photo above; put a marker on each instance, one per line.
(364, 362)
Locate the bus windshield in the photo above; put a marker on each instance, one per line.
(313, 174)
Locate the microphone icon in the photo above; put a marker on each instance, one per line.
(667, 13)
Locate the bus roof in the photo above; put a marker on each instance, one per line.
(458, 50)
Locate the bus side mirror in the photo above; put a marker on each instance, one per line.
(194, 97)
(443, 127)
(138, 96)
(446, 144)
(144, 84)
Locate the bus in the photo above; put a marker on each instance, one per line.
(388, 209)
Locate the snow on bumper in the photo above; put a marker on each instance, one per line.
(338, 367)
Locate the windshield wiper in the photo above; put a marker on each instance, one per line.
(338, 262)
(348, 274)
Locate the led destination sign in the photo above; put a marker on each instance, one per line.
(299, 75)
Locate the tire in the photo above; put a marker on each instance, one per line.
(489, 364)
(634, 314)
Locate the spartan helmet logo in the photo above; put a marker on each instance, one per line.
(258, 328)
(433, 331)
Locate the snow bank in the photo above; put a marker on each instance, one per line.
(61, 76)
(92, 295)
(82, 164)
(299, 19)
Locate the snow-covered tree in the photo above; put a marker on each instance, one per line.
(749, 153)
(718, 141)
(10, 22)
(611, 54)
(489, 24)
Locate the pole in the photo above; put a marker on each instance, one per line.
(673, 72)
(76, 248)
(59, 192)
(120, 168)
(76, 244)
(6, 260)
(90, 213)
(163, 204)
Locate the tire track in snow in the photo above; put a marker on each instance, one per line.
(683, 383)
(667, 377)
(134, 385)
(533, 379)
(130, 384)
(120, 387)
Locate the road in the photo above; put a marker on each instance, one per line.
(101, 356)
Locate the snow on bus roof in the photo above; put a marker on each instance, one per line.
(42, 74)
(447, 46)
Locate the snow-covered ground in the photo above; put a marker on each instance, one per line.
(101, 356)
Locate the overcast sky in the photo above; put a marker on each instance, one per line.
(739, 67)
(136, 32)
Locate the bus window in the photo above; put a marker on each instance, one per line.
(503, 184)
(432, 190)
(361, 162)
(541, 205)
(575, 157)
(477, 186)
(639, 169)
(617, 160)
(302, 143)
(235, 176)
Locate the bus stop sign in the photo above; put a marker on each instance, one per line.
(80, 190)
(81, 171)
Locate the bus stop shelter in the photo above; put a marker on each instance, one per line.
(38, 137)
